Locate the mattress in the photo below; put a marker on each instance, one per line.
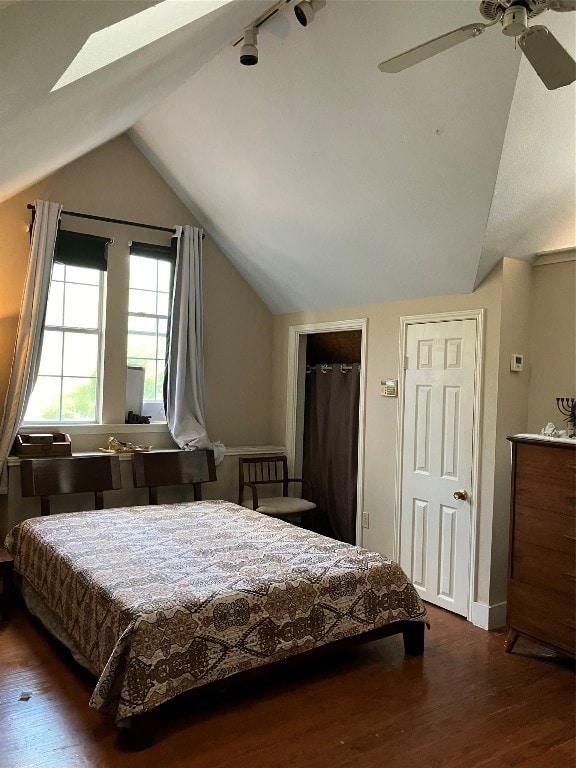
(162, 599)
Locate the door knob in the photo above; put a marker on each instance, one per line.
(461, 495)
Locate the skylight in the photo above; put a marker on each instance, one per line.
(129, 35)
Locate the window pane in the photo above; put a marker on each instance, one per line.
(83, 275)
(150, 380)
(143, 273)
(142, 301)
(51, 357)
(44, 403)
(80, 354)
(142, 324)
(57, 271)
(141, 345)
(163, 304)
(162, 327)
(81, 305)
(55, 305)
(164, 276)
(78, 399)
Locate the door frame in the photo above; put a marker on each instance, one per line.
(295, 397)
(478, 315)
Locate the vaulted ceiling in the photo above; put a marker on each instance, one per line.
(326, 182)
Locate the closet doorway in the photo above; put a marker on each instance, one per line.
(325, 420)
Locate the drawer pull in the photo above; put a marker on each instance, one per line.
(570, 576)
(571, 499)
(568, 536)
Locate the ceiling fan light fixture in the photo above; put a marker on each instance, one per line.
(307, 10)
(515, 20)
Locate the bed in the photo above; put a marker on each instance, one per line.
(158, 600)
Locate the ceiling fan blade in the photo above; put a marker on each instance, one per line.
(432, 47)
(562, 5)
(552, 63)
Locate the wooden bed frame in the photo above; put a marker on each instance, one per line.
(44, 477)
(141, 731)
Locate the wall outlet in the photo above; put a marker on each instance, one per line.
(365, 520)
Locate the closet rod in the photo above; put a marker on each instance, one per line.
(112, 221)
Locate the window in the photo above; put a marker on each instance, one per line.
(79, 335)
(150, 287)
(67, 387)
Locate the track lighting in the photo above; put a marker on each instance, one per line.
(307, 9)
(305, 12)
(249, 52)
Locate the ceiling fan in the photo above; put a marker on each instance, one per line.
(552, 63)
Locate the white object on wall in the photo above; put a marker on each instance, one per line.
(516, 362)
(134, 389)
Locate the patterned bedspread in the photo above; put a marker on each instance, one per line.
(162, 599)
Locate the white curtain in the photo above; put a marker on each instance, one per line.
(185, 369)
(30, 328)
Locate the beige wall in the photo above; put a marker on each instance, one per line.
(382, 361)
(512, 409)
(116, 181)
(552, 349)
(518, 319)
(528, 310)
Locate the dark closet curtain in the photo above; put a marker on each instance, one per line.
(330, 455)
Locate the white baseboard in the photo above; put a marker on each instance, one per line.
(488, 616)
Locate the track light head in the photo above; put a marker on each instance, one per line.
(307, 9)
(249, 52)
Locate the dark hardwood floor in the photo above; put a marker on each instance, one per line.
(465, 703)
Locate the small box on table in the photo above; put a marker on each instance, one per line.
(42, 445)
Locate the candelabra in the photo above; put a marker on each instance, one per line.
(567, 407)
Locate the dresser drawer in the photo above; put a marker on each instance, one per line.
(543, 615)
(551, 494)
(557, 463)
(546, 478)
(548, 568)
(549, 529)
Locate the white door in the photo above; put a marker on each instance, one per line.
(435, 527)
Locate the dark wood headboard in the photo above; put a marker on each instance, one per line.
(161, 468)
(69, 474)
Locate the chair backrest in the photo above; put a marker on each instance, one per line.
(262, 470)
(69, 474)
(161, 468)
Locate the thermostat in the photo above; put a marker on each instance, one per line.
(389, 388)
(517, 362)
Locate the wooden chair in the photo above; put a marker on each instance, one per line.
(69, 474)
(269, 471)
(161, 468)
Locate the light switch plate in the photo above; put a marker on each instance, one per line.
(516, 362)
(389, 388)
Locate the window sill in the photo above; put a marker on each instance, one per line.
(233, 450)
(97, 429)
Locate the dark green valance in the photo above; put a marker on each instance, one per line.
(164, 252)
(79, 250)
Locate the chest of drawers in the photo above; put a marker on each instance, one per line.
(542, 570)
